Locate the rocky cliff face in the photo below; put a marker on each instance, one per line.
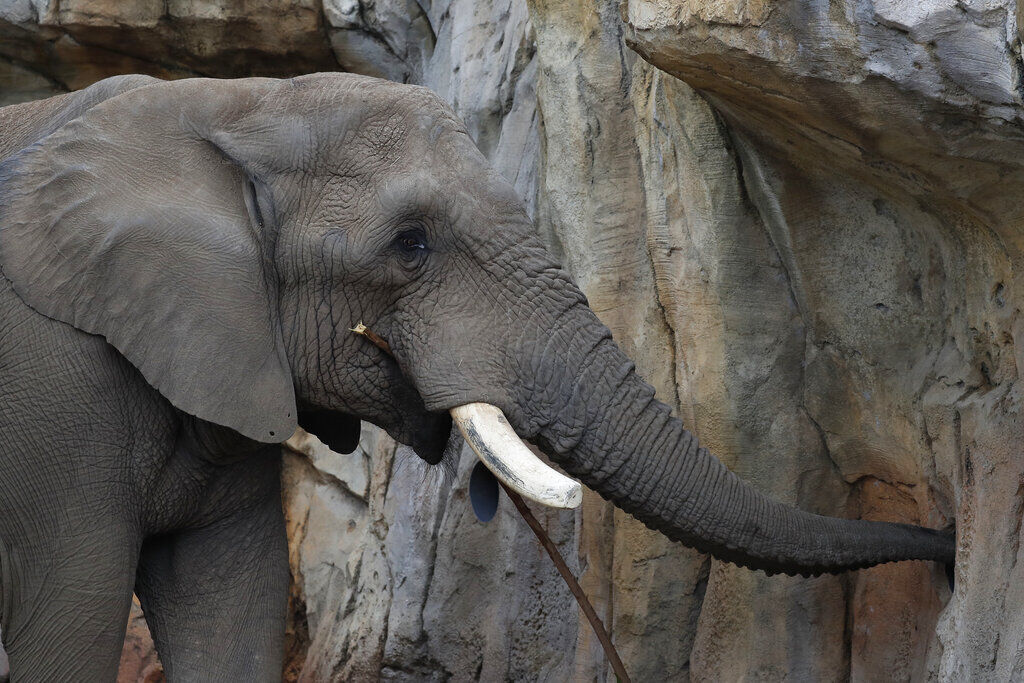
(802, 220)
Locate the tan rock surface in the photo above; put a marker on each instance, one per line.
(139, 662)
(801, 219)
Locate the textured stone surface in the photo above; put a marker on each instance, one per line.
(139, 662)
(801, 219)
(881, 143)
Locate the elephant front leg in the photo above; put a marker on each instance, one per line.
(215, 598)
(65, 602)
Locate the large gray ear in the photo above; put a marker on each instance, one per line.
(129, 223)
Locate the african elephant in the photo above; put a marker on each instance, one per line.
(182, 264)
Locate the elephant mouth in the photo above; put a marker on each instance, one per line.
(489, 434)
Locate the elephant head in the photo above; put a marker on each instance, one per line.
(225, 236)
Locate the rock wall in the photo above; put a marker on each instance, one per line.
(802, 220)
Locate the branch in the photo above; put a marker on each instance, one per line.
(572, 583)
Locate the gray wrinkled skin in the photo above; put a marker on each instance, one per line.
(182, 262)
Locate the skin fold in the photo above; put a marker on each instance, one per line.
(181, 263)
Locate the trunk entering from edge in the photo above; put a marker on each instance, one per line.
(620, 441)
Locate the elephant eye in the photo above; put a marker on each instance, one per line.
(411, 244)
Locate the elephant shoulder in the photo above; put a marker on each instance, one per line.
(25, 123)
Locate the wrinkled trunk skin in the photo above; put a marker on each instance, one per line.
(623, 443)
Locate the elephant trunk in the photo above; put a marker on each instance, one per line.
(620, 441)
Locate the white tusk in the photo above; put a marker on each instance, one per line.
(492, 438)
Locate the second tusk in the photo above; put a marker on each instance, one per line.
(492, 438)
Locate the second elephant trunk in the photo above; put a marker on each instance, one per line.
(623, 443)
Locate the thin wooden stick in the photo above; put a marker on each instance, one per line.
(374, 338)
(572, 583)
(545, 542)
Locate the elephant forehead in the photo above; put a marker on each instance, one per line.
(406, 163)
(395, 139)
(323, 123)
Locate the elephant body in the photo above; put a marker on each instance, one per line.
(181, 263)
(128, 494)
(107, 488)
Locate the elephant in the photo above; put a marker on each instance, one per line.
(182, 263)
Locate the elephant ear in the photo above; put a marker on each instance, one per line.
(130, 223)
